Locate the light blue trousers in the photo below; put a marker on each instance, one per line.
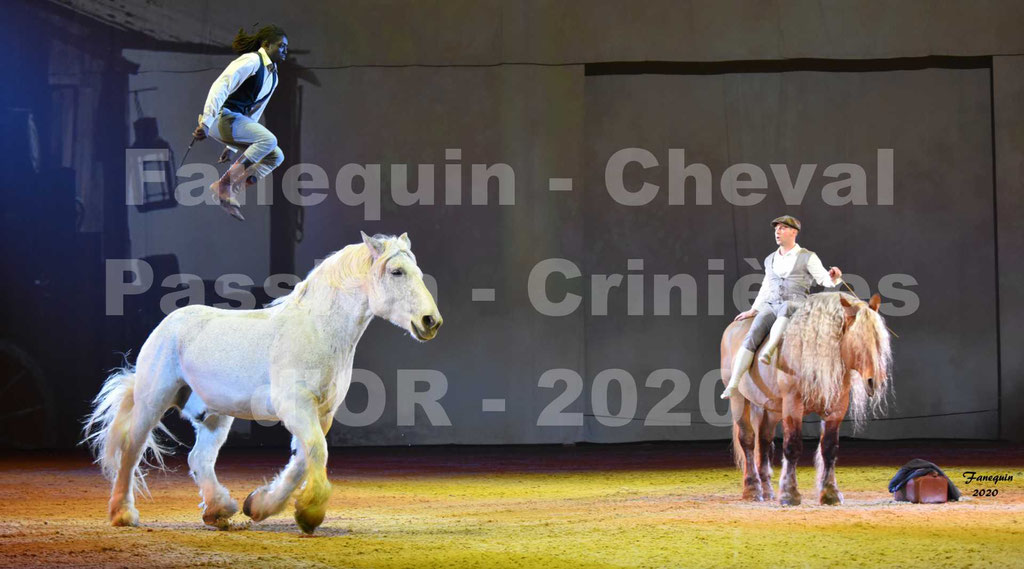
(259, 144)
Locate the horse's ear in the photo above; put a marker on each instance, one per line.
(849, 311)
(875, 301)
(404, 238)
(376, 246)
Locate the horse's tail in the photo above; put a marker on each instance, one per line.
(737, 448)
(108, 428)
(725, 372)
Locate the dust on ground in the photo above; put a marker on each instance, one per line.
(660, 505)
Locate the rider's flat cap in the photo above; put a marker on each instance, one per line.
(788, 220)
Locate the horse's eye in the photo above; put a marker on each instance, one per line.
(397, 273)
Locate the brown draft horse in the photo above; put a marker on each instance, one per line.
(835, 357)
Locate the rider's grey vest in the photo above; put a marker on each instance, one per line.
(793, 286)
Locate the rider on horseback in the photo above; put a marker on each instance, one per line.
(789, 273)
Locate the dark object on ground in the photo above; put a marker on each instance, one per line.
(927, 489)
(917, 470)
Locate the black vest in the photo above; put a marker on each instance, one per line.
(245, 97)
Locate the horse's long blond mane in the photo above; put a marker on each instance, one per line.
(346, 269)
(813, 348)
(870, 347)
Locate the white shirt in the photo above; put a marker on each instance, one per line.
(234, 75)
(783, 265)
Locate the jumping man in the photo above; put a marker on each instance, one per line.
(789, 273)
(233, 109)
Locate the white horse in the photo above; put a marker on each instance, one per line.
(291, 361)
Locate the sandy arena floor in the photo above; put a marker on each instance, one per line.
(660, 505)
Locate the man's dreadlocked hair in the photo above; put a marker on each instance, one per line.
(246, 43)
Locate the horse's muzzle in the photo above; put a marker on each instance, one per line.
(427, 327)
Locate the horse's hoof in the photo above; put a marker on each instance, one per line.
(247, 505)
(790, 500)
(219, 517)
(753, 494)
(831, 498)
(309, 519)
(216, 521)
(126, 517)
